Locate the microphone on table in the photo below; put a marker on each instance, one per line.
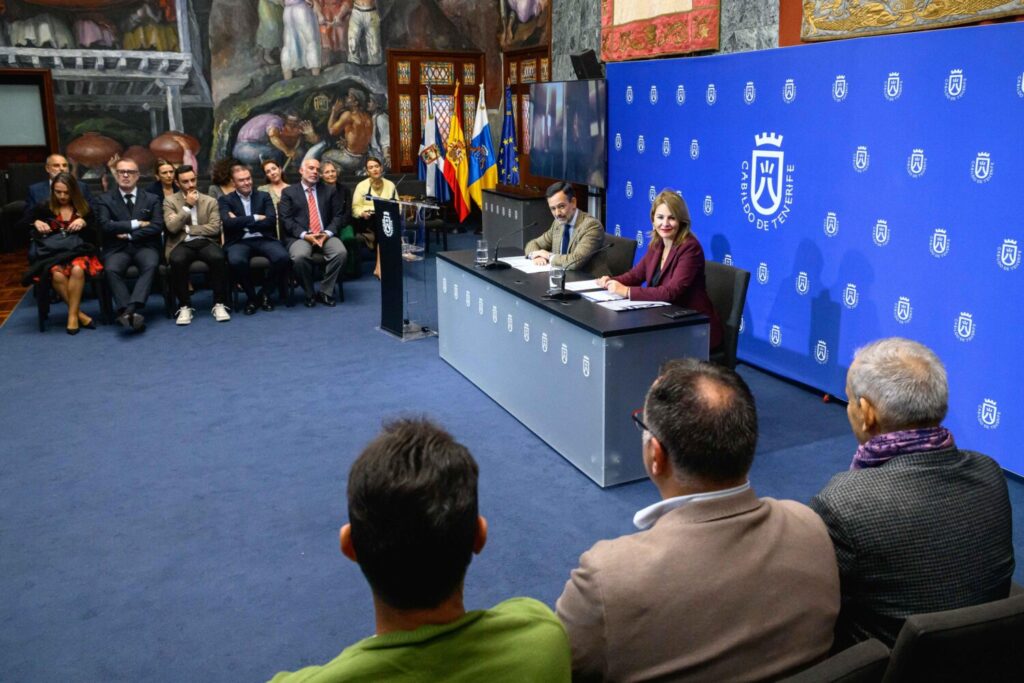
(563, 295)
(494, 263)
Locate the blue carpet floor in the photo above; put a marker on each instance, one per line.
(170, 503)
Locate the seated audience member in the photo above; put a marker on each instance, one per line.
(220, 177)
(672, 267)
(374, 185)
(132, 221)
(918, 524)
(39, 193)
(164, 185)
(250, 222)
(574, 235)
(311, 218)
(64, 232)
(274, 187)
(719, 585)
(194, 233)
(413, 527)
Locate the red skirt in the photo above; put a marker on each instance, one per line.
(90, 264)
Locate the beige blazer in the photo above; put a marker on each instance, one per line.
(177, 216)
(730, 589)
(587, 237)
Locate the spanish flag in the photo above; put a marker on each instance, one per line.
(456, 170)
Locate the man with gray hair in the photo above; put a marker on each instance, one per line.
(918, 524)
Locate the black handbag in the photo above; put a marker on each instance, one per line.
(54, 244)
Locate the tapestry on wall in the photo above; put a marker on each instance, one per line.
(830, 20)
(638, 29)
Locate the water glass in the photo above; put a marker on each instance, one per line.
(482, 255)
(556, 276)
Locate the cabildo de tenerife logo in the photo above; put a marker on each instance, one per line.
(652, 193)
(955, 84)
(727, 259)
(988, 414)
(709, 206)
(694, 149)
(629, 189)
(680, 95)
(618, 142)
(762, 273)
(640, 144)
(749, 92)
(939, 243)
(916, 163)
(880, 233)
(711, 96)
(766, 183)
(982, 168)
(803, 285)
(789, 91)
(666, 147)
(629, 94)
(964, 327)
(618, 230)
(775, 336)
(1020, 85)
(893, 86)
(821, 352)
(903, 311)
(839, 88)
(639, 239)
(850, 296)
(831, 225)
(386, 225)
(861, 159)
(653, 96)
(1009, 255)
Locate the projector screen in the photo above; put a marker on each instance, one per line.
(21, 115)
(567, 131)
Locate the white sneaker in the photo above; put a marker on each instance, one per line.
(220, 313)
(184, 316)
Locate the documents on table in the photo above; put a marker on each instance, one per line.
(629, 305)
(583, 286)
(524, 264)
(601, 295)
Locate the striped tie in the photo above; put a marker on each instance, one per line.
(315, 226)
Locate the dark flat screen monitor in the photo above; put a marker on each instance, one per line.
(568, 131)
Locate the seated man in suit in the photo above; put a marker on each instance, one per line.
(574, 235)
(194, 233)
(250, 225)
(40, 192)
(719, 585)
(311, 217)
(918, 524)
(413, 528)
(131, 221)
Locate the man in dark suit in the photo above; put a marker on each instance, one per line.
(311, 216)
(918, 524)
(131, 221)
(250, 222)
(718, 584)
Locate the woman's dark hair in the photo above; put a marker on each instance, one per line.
(220, 171)
(77, 198)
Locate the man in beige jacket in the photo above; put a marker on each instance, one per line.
(193, 228)
(719, 585)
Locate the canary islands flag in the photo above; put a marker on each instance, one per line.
(508, 164)
(483, 168)
(456, 168)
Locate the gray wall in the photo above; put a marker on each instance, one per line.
(576, 26)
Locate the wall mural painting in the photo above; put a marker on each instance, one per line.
(524, 23)
(123, 77)
(829, 20)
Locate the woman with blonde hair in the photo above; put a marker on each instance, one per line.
(672, 270)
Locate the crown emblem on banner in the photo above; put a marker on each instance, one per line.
(768, 139)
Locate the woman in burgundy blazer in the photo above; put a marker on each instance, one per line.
(674, 274)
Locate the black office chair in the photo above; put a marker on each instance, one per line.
(863, 663)
(979, 643)
(619, 258)
(727, 288)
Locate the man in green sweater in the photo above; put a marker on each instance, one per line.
(413, 528)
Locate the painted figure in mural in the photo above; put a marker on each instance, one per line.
(352, 126)
(144, 29)
(380, 144)
(515, 12)
(270, 30)
(333, 16)
(301, 38)
(40, 30)
(269, 136)
(93, 30)
(364, 28)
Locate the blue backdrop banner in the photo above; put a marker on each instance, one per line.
(872, 187)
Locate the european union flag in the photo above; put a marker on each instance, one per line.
(508, 160)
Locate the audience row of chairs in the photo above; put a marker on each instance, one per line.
(978, 643)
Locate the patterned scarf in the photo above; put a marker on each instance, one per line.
(884, 447)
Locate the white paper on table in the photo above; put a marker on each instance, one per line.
(582, 286)
(629, 305)
(601, 295)
(525, 264)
